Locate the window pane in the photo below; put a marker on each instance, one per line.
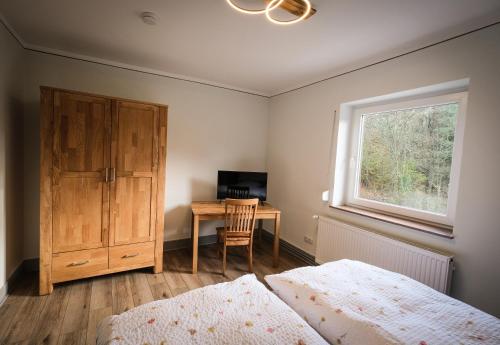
(406, 157)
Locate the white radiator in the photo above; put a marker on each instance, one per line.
(337, 240)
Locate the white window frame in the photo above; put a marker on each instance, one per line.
(352, 198)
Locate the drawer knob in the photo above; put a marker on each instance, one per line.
(78, 263)
(128, 256)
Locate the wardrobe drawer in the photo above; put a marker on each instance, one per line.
(79, 264)
(132, 255)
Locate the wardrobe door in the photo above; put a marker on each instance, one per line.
(81, 156)
(134, 163)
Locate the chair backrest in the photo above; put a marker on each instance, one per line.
(240, 216)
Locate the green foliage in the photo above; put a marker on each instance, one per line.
(406, 156)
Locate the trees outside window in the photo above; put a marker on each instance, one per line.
(405, 157)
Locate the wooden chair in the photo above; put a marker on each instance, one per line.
(239, 224)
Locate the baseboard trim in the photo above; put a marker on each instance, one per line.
(291, 249)
(3, 293)
(187, 243)
(10, 283)
(31, 265)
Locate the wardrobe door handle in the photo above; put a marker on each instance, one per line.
(78, 263)
(128, 256)
(106, 175)
(113, 175)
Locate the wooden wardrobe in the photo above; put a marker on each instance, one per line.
(102, 183)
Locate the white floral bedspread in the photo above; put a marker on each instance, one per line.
(243, 311)
(350, 302)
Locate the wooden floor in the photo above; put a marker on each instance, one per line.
(70, 314)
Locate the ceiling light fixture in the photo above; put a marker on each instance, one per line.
(300, 8)
(269, 7)
(307, 11)
(148, 18)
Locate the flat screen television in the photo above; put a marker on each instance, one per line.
(241, 185)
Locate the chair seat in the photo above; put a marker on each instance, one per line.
(234, 238)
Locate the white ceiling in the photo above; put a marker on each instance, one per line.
(207, 40)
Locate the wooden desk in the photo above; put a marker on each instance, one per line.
(214, 210)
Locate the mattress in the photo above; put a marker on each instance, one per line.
(243, 311)
(350, 302)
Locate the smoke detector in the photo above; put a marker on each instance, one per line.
(148, 18)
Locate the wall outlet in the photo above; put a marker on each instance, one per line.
(307, 239)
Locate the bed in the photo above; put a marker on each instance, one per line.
(350, 302)
(243, 311)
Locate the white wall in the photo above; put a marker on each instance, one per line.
(300, 131)
(208, 129)
(11, 208)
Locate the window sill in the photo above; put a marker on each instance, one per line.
(434, 229)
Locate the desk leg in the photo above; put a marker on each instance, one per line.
(276, 248)
(260, 226)
(192, 231)
(196, 225)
